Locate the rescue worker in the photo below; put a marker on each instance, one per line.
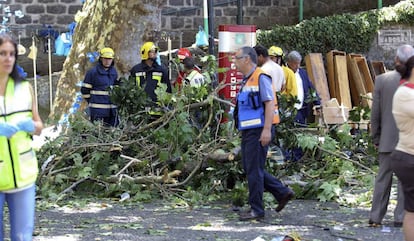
(19, 119)
(191, 74)
(271, 68)
(95, 89)
(182, 53)
(276, 54)
(149, 74)
(255, 115)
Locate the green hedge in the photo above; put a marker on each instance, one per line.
(344, 32)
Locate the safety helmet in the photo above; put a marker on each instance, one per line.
(107, 53)
(275, 51)
(183, 53)
(146, 48)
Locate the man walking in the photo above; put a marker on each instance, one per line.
(255, 119)
(384, 134)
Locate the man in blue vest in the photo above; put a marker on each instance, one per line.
(255, 116)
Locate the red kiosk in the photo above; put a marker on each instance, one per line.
(231, 38)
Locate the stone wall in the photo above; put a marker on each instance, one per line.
(182, 16)
(37, 13)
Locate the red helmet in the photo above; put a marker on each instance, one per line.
(183, 53)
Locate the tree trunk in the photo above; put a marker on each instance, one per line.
(123, 25)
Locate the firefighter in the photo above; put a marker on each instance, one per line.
(276, 54)
(182, 53)
(149, 74)
(95, 89)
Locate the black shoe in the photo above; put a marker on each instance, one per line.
(398, 224)
(250, 215)
(373, 224)
(284, 201)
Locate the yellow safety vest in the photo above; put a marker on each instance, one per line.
(18, 163)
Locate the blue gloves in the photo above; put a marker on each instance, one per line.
(26, 125)
(8, 130)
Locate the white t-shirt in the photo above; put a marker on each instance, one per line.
(301, 93)
(276, 73)
(403, 111)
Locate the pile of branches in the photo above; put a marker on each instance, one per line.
(166, 150)
(188, 150)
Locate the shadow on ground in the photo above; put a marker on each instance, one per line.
(109, 220)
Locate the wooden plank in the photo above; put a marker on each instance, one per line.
(357, 85)
(354, 92)
(377, 68)
(333, 88)
(341, 79)
(316, 71)
(366, 75)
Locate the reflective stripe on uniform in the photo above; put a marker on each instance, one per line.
(102, 106)
(86, 85)
(138, 76)
(86, 96)
(157, 76)
(157, 73)
(99, 92)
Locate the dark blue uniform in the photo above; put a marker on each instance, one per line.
(95, 91)
(148, 77)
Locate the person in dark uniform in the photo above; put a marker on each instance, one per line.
(149, 74)
(95, 86)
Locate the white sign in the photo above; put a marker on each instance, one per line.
(394, 37)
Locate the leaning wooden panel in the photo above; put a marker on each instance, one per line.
(366, 75)
(357, 84)
(377, 68)
(333, 88)
(317, 74)
(344, 95)
(354, 92)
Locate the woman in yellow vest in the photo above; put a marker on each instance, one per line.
(19, 119)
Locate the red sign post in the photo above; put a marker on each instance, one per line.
(231, 38)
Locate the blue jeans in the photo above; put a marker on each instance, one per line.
(258, 179)
(22, 211)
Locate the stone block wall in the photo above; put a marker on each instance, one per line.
(36, 13)
(182, 17)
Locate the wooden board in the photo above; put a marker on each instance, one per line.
(365, 73)
(352, 87)
(333, 88)
(341, 79)
(317, 74)
(377, 68)
(357, 84)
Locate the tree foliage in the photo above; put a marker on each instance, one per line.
(352, 33)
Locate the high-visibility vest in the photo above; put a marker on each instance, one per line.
(252, 84)
(18, 163)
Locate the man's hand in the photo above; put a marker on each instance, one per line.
(265, 137)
